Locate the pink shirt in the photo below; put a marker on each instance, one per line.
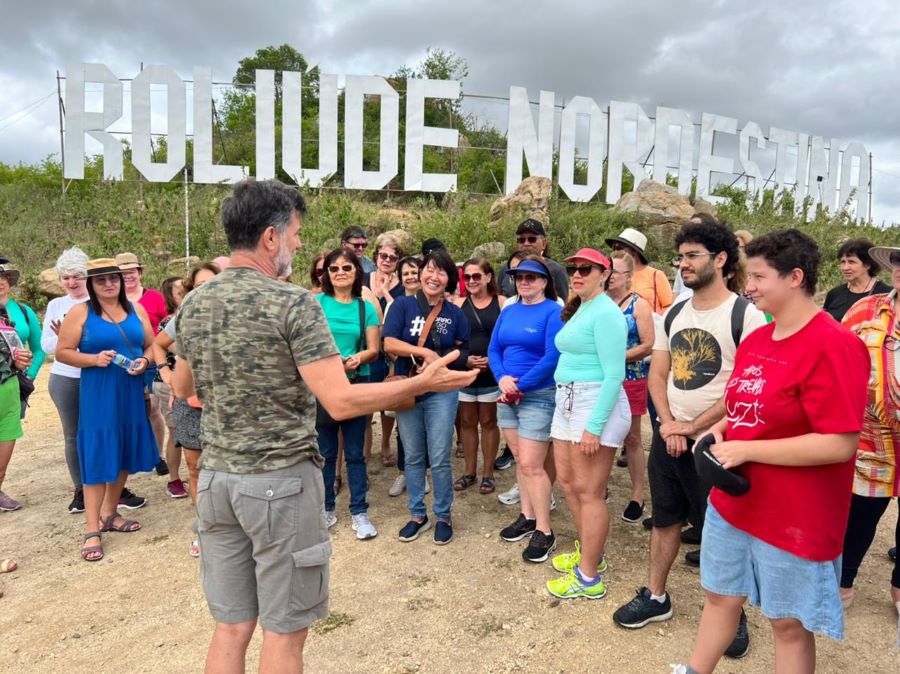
(155, 306)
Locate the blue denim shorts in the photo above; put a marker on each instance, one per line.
(532, 417)
(733, 563)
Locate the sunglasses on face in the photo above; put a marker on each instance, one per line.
(346, 268)
(690, 257)
(581, 269)
(386, 257)
(477, 276)
(359, 245)
(107, 280)
(527, 277)
(527, 239)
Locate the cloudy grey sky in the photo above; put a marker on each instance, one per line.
(823, 67)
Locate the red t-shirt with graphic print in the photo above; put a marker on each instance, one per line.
(814, 381)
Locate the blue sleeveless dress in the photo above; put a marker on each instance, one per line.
(114, 433)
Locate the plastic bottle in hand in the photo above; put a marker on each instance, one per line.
(123, 362)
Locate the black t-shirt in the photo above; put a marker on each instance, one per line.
(839, 299)
(481, 323)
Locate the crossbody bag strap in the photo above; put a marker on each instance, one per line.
(125, 337)
(362, 325)
(429, 324)
(475, 312)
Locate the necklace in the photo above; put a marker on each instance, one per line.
(866, 289)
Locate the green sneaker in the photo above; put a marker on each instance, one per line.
(569, 587)
(567, 561)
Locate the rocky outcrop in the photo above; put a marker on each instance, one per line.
(180, 264)
(656, 204)
(530, 200)
(48, 284)
(406, 240)
(494, 251)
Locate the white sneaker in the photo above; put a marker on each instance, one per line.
(399, 486)
(552, 502)
(363, 527)
(427, 485)
(330, 518)
(510, 497)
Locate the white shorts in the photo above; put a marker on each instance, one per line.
(479, 394)
(574, 406)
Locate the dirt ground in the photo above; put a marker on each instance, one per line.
(471, 606)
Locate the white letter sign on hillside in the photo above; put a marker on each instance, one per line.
(829, 172)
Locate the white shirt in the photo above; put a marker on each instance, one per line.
(56, 311)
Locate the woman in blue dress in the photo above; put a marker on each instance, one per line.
(114, 435)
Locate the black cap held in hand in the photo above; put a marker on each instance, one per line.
(712, 473)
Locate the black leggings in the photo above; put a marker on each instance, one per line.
(865, 512)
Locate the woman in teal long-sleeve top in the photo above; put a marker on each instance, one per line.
(28, 328)
(591, 419)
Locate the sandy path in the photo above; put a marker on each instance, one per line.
(471, 606)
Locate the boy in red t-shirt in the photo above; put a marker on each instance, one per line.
(794, 408)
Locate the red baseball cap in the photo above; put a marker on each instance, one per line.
(591, 255)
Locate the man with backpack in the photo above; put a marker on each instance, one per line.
(693, 357)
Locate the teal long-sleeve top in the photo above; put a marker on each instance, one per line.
(592, 349)
(29, 330)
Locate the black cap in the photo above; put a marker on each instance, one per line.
(531, 225)
(431, 245)
(713, 474)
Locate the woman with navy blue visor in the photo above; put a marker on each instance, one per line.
(427, 428)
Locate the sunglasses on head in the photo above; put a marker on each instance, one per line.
(387, 257)
(527, 239)
(477, 276)
(335, 268)
(527, 277)
(582, 269)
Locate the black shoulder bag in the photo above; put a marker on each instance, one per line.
(323, 418)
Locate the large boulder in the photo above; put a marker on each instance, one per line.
(493, 251)
(656, 204)
(49, 285)
(530, 200)
(180, 264)
(406, 240)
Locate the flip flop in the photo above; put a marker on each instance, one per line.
(195, 549)
(91, 549)
(126, 527)
(8, 566)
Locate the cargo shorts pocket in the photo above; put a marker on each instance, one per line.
(309, 579)
(271, 505)
(206, 513)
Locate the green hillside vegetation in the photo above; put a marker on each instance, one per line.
(37, 221)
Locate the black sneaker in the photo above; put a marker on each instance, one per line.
(443, 532)
(641, 610)
(648, 523)
(691, 536)
(412, 530)
(505, 460)
(633, 512)
(77, 504)
(741, 644)
(692, 558)
(130, 500)
(519, 529)
(622, 460)
(539, 547)
(162, 468)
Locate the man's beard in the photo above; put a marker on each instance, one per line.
(702, 278)
(283, 261)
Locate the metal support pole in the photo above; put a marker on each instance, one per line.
(870, 188)
(187, 224)
(62, 142)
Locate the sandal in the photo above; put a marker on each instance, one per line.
(195, 549)
(460, 453)
(488, 485)
(8, 566)
(126, 527)
(388, 460)
(464, 482)
(86, 552)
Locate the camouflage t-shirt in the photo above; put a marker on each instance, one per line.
(244, 335)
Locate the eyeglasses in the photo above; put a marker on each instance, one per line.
(527, 239)
(582, 269)
(386, 257)
(527, 277)
(690, 257)
(472, 277)
(358, 245)
(346, 268)
(319, 272)
(110, 280)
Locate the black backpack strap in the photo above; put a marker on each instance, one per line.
(738, 311)
(673, 312)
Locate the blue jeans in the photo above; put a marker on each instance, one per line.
(427, 430)
(354, 431)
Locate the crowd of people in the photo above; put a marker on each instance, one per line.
(775, 424)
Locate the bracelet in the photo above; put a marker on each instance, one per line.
(160, 366)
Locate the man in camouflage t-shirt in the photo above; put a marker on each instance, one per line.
(256, 351)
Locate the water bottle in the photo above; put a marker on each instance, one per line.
(123, 362)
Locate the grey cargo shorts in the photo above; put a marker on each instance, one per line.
(265, 546)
